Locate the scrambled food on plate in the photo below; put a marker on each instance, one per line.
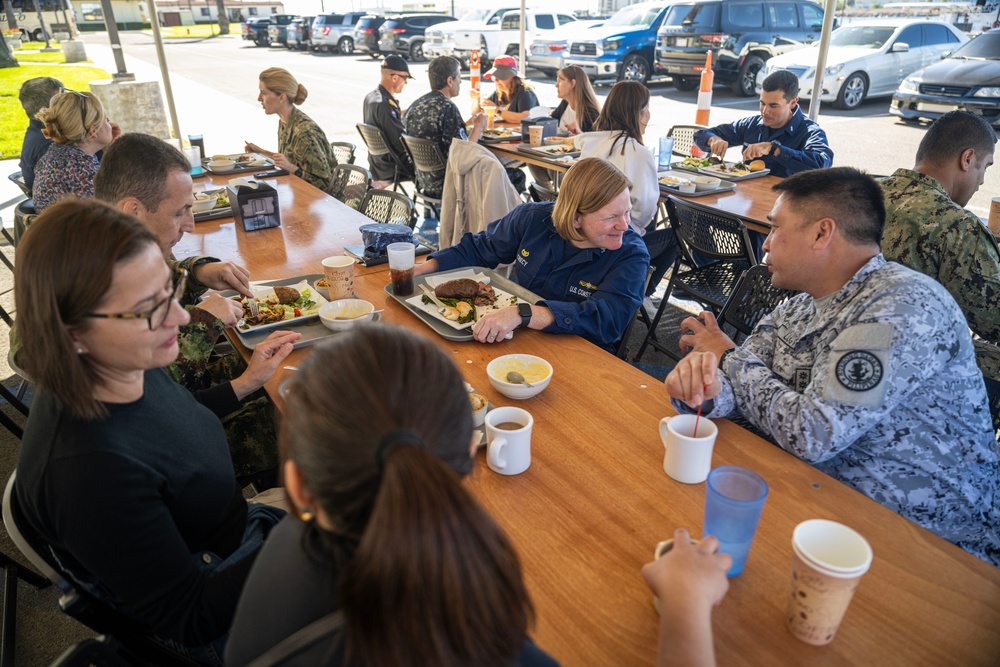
(695, 163)
(501, 133)
(737, 169)
(285, 304)
(463, 297)
(674, 181)
(560, 148)
(220, 197)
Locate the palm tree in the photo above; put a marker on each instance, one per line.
(223, 17)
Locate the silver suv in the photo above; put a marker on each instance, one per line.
(334, 33)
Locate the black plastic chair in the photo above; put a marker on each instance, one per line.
(720, 239)
(541, 193)
(24, 213)
(138, 644)
(388, 207)
(684, 138)
(343, 151)
(427, 158)
(752, 299)
(377, 145)
(621, 349)
(349, 184)
(18, 179)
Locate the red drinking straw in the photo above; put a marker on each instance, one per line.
(698, 416)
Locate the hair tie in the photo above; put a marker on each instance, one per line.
(392, 441)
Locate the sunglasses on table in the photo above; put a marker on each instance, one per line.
(157, 315)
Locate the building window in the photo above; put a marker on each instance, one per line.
(204, 11)
(274, 10)
(252, 11)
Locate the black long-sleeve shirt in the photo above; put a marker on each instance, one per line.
(382, 110)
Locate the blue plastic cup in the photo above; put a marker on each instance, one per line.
(666, 151)
(734, 499)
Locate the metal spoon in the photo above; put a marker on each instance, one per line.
(516, 378)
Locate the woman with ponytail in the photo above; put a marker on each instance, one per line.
(302, 146)
(391, 560)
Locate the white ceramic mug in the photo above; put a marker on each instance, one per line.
(687, 459)
(508, 450)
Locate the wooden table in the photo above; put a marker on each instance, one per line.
(314, 225)
(595, 502)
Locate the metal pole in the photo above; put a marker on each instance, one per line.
(116, 43)
(520, 50)
(164, 72)
(45, 33)
(824, 47)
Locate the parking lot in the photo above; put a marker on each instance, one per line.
(215, 84)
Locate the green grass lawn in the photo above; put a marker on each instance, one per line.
(12, 118)
(38, 57)
(200, 30)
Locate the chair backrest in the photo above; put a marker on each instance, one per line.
(621, 349)
(343, 151)
(136, 639)
(18, 179)
(753, 298)
(684, 138)
(426, 154)
(710, 233)
(388, 207)
(541, 193)
(349, 184)
(374, 139)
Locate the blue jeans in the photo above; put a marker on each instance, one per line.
(260, 520)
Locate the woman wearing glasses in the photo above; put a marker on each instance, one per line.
(124, 473)
(79, 128)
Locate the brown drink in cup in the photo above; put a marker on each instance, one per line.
(402, 281)
(401, 258)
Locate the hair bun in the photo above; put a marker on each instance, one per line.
(300, 94)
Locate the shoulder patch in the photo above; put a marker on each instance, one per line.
(859, 370)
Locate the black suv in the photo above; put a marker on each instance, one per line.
(741, 34)
(404, 35)
(255, 30)
(366, 34)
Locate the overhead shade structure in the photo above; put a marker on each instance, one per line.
(824, 48)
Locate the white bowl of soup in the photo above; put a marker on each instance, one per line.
(536, 371)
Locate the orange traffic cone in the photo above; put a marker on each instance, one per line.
(705, 92)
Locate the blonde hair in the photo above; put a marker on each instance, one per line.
(589, 185)
(70, 116)
(280, 81)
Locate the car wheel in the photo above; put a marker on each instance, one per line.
(263, 41)
(746, 81)
(38, 35)
(346, 46)
(417, 52)
(852, 92)
(374, 55)
(686, 82)
(635, 68)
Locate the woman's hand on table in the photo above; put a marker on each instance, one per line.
(266, 359)
(228, 311)
(284, 163)
(496, 324)
(694, 379)
(223, 276)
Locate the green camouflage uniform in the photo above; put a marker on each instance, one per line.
(250, 430)
(302, 141)
(928, 232)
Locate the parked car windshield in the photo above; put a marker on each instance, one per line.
(985, 46)
(635, 16)
(703, 16)
(862, 36)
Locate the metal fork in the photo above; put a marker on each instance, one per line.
(254, 307)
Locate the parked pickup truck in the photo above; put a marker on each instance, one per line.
(255, 30)
(505, 39)
(442, 39)
(623, 47)
(335, 32)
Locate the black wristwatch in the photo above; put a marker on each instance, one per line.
(524, 310)
(725, 354)
(299, 172)
(775, 148)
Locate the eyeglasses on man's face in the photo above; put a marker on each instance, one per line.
(157, 315)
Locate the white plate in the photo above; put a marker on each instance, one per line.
(263, 291)
(716, 171)
(503, 299)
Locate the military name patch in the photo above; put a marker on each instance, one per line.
(859, 370)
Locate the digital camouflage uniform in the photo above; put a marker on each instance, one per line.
(877, 386)
(304, 144)
(250, 430)
(434, 117)
(928, 232)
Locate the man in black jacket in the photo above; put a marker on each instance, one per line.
(382, 110)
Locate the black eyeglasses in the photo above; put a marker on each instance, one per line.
(156, 316)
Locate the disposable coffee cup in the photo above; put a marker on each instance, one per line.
(687, 456)
(339, 271)
(401, 259)
(508, 440)
(535, 135)
(828, 561)
(661, 549)
(994, 221)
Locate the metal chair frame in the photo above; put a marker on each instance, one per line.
(343, 151)
(349, 184)
(541, 193)
(136, 640)
(723, 240)
(377, 145)
(752, 299)
(427, 158)
(388, 207)
(18, 179)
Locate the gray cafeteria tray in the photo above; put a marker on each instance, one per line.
(442, 329)
(214, 214)
(724, 186)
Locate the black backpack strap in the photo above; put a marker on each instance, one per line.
(290, 646)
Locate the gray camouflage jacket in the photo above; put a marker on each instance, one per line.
(878, 387)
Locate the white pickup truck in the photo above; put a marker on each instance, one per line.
(504, 39)
(440, 39)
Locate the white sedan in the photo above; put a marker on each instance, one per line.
(868, 58)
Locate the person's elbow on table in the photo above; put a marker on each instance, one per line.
(694, 379)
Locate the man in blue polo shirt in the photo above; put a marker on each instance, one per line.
(781, 135)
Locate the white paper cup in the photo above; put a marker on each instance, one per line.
(339, 271)
(994, 221)
(508, 450)
(535, 135)
(828, 562)
(687, 459)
